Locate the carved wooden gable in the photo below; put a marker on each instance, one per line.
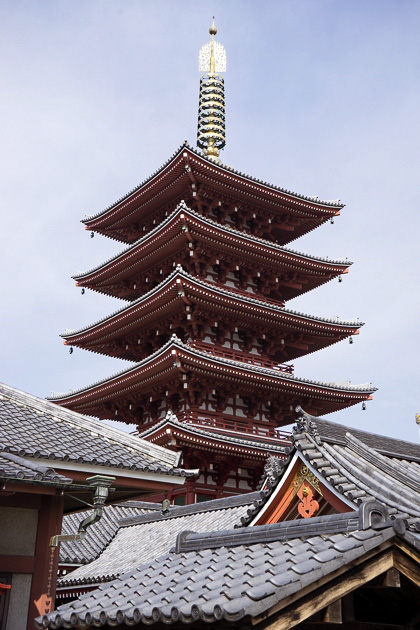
(300, 493)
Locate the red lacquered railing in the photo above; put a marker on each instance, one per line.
(243, 357)
(248, 294)
(220, 423)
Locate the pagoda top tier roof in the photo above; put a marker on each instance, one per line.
(185, 225)
(187, 171)
(175, 358)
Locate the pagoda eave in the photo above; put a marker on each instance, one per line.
(178, 367)
(179, 438)
(189, 239)
(188, 174)
(120, 334)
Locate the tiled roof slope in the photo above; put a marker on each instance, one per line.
(35, 428)
(243, 440)
(345, 459)
(144, 538)
(99, 533)
(332, 432)
(233, 580)
(19, 469)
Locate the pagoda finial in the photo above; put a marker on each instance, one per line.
(213, 29)
(211, 135)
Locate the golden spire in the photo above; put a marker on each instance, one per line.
(211, 109)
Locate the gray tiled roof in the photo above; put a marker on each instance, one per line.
(143, 538)
(336, 433)
(100, 533)
(346, 460)
(35, 428)
(230, 581)
(19, 469)
(360, 472)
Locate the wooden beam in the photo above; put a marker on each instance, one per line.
(333, 613)
(407, 567)
(43, 591)
(392, 578)
(128, 483)
(299, 607)
(17, 564)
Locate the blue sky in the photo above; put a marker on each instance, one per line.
(323, 98)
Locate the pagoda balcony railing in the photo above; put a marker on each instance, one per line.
(243, 357)
(222, 424)
(247, 294)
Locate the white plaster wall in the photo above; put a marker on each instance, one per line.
(17, 616)
(18, 527)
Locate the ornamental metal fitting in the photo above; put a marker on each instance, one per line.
(211, 130)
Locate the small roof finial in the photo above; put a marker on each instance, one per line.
(213, 29)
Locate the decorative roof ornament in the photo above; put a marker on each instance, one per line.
(211, 133)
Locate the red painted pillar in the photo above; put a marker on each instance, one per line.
(190, 494)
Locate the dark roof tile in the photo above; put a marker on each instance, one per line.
(63, 435)
(14, 468)
(230, 592)
(144, 537)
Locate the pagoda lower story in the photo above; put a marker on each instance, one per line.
(205, 324)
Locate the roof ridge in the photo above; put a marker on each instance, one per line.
(284, 530)
(180, 511)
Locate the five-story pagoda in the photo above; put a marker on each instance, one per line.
(206, 276)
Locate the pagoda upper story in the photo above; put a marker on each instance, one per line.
(212, 251)
(206, 313)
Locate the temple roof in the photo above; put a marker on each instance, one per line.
(101, 532)
(39, 430)
(14, 468)
(171, 360)
(142, 538)
(169, 240)
(356, 465)
(165, 298)
(186, 171)
(294, 550)
(237, 577)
